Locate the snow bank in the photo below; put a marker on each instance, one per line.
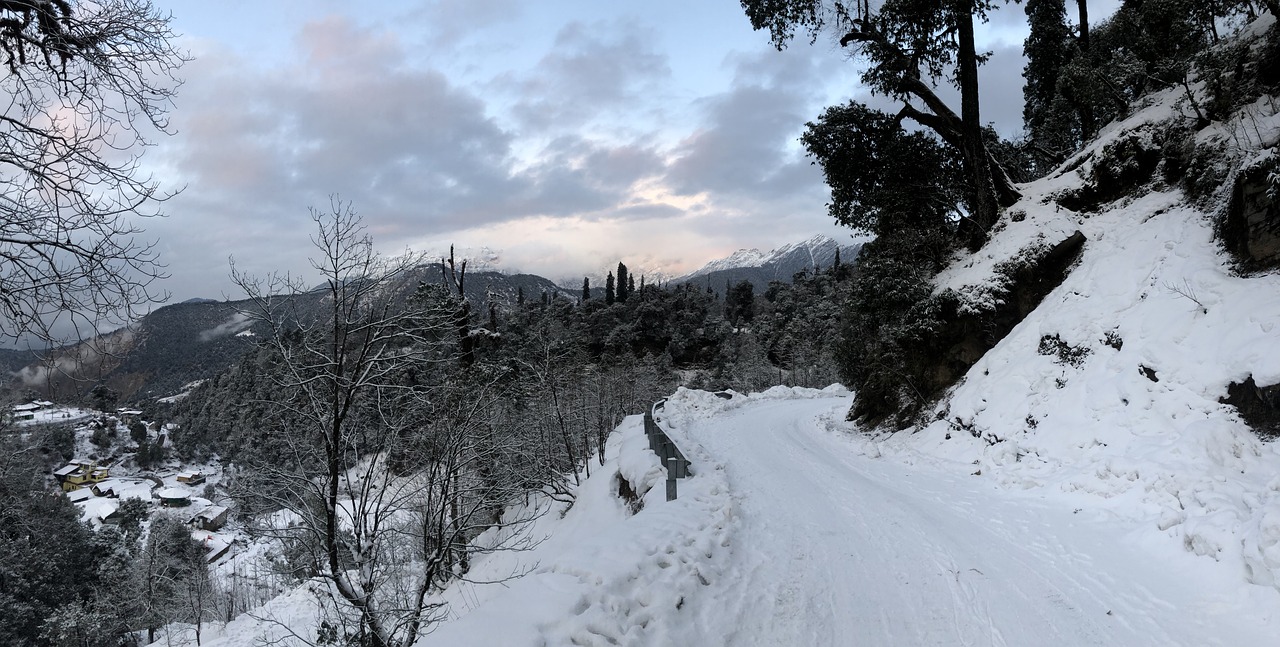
(600, 575)
(1134, 429)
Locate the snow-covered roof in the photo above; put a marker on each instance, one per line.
(174, 492)
(66, 471)
(26, 407)
(211, 512)
(109, 484)
(76, 496)
(97, 508)
(126, 488)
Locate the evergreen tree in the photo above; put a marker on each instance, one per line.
(624, 290)
(520, 296)
(882, 178)
(910, 46)
(608, 290)
(631, 284)
(586, 288)
(1046, 115)
(739, 303)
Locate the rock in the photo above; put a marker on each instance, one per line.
(1251, 228)
(1259, 406)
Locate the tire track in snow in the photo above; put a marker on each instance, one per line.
(833, 548)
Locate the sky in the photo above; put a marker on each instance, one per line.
(555, 138)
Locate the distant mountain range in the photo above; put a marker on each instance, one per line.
(780, 264)
(199, 338)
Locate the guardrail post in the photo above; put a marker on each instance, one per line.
(673, 464)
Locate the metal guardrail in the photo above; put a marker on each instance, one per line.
(668, 453)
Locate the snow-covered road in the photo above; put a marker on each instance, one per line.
(835, 548)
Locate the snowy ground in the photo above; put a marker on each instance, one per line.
(835, 547)
(795, 531)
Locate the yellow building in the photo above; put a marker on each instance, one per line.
(79, 473)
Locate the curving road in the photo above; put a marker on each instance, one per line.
(834, 548)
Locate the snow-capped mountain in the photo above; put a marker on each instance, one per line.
(779, 264)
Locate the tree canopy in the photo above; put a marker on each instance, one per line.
(911, 45)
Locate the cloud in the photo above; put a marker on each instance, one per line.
(748, 147)
(450, 22)
(592, 70)
(583, 138)
(410, 149)
(236, 323)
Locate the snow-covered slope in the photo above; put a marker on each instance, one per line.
(1160, 324)
(759, 268)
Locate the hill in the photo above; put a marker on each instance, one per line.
(780, 264)
(1142, 380)
(200, 338)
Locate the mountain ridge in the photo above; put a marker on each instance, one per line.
(779, 264)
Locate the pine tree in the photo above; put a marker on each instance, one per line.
(1046, 115)
(520, 296)
(608, 290)
(586, 288)
(631, 284)
(623, 285)
(909, 46)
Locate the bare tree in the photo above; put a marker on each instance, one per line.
(383, 455)
(87, 85)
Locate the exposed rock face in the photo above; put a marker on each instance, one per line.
(1251, 229)
(1258, 405)
(964, 337)
(969, 337)
(1116, 171)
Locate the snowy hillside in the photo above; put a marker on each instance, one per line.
(759, 268)
(1121, 409)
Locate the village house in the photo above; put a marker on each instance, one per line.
(211, 518)
(28, 411)
(128, 416)
(174, 497)
(192, 477)
(25, 411)
(78, 473)
(123, 489)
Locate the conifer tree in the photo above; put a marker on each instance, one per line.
(631, 284)
(608, 290)
(1046, 115)
(623, 291)
(586, 288)
(910, 46)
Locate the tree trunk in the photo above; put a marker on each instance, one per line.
(984, 210)
(1083, 7)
